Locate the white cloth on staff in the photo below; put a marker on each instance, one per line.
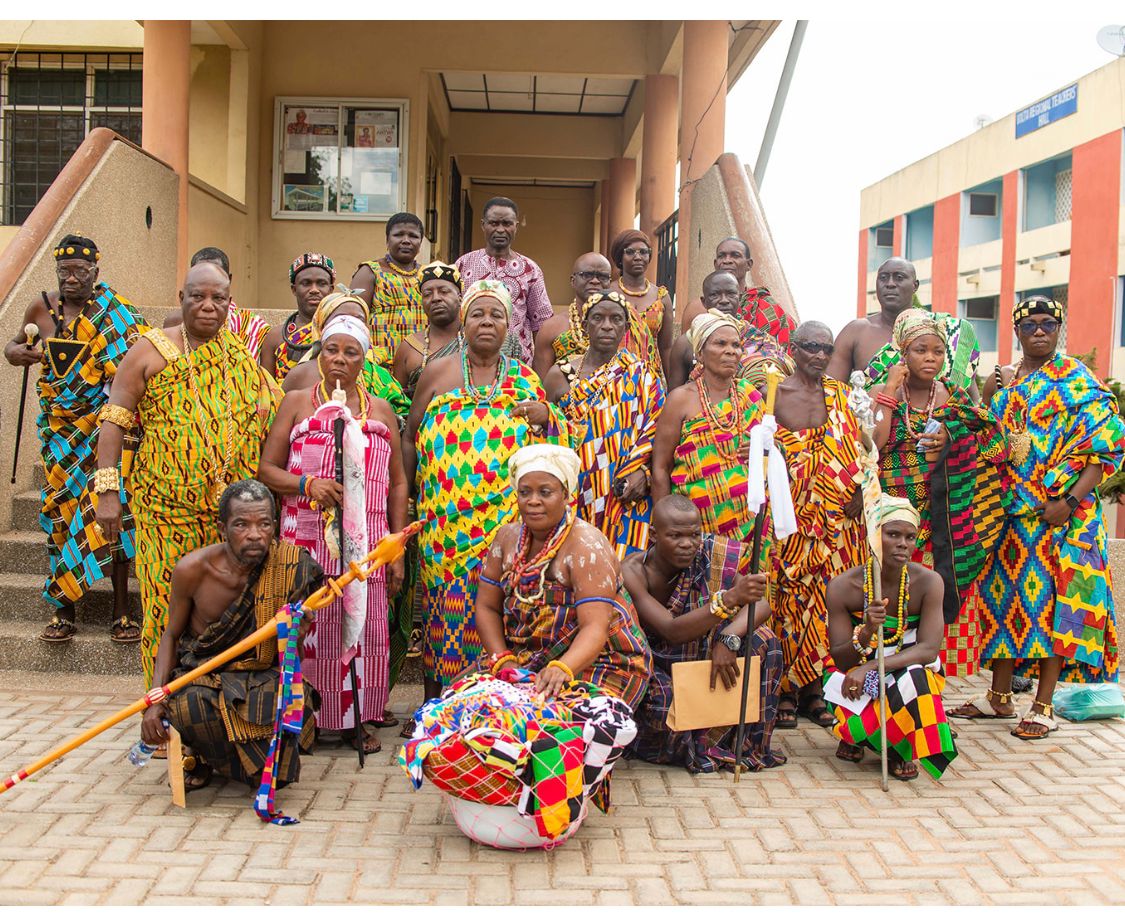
(762, 447)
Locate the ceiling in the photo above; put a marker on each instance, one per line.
(539, 93)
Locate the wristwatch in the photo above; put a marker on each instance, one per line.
(732, 642)
(1071, 501)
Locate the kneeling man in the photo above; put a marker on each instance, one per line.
(221, 594)
(693, 597)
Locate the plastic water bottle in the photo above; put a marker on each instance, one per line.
(140, 754)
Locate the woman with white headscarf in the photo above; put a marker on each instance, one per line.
(299, 465)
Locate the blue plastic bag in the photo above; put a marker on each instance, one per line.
(1089, 702)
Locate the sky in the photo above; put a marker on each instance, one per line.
(867, 99)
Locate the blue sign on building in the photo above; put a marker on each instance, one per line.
(1047, 111)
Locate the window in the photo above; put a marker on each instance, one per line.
(981, 312)
(341, 159)
(982, 205)
(885, 237)
(50, 102)
(1047, 192)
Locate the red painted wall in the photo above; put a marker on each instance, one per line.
(898, 246)
(1093, 247)
(947, 238)
(1009, 228)
(861, 300)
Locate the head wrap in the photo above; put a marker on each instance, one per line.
(355, 328)
(913, 324)
(610, 296)
(334, 301)
(1037, 307)
(492, 288)
(622, 241)
(707, 323)
(897, 509)
(311, 259)
(439, 270)
(557, 461)
(77, 247)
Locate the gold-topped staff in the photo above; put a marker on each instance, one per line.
(31, 332)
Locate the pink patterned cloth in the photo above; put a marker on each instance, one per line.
(312, 452)
(530, 305)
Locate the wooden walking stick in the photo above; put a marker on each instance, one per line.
(31, 332)
(357, 704)
(880, 657)
(388, 550)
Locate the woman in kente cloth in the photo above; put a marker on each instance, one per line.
(910, 615)
(1048, 609)
(471, 412)
(299, 464)
(943, 453)
(376, 380)
(631, 253)
(566, 661)
(702, 443)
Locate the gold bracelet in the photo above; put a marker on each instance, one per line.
(559, 664)
(499, 661)
(115, 414)
(106, 480)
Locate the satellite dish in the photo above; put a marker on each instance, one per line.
(1111, 38)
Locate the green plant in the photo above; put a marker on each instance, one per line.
(1114, 486)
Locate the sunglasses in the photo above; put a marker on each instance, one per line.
(812, 347)
(594, 275)
(634, 252)
(1028, 327)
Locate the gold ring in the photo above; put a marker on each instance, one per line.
(98, 528)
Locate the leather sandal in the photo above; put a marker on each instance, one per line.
(58, 630)
(1043, 717)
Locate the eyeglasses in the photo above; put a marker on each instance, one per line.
(78, 273)
(593, 275)
(634, 252)
(1028, 328)
(812, 347)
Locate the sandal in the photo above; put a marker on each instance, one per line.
(815, 710)
(786, 712)
(846, 752)
(198, 777)
(125, 630)
(388, 720)
(902, 770)
(415, 648)
(980, 707)
(407, 731)
(1044, 718)
(371, 743)
(58, 630)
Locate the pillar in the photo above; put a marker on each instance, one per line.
(898, 238)
(861, 293)
(165, 100)
(1009, 229)
(622, 196)
(658, 156)
(703, 109)
(947, 242)
(603, 217)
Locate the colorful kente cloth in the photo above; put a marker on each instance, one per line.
(181, 458)
(312, 452)
(612, 415)
(418, 342)
(824, 471)
(227, 716)
(249, 327)
(961, 357)
(760, 310)
(706, 468)
(1047, 590)
(491, 740)
(396, 308)
(917, 729)
(714, 569)
(639, 340)
(464, 442)
(531, 306)
(69, 402)
(295, 343)
(961, 500)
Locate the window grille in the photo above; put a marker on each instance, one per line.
(1063, 182)
(667, 247)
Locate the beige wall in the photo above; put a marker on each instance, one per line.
(208, 123)
(557, 228)
(85, 34)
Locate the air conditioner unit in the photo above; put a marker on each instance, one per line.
(1039, 264)
(973, 278)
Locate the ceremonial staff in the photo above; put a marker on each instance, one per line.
(31, 332)
(389, 549)
(357, 706)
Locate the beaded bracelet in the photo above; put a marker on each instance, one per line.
(499, 661)
(720, 609)
(559, 664)
(303, 485)
(863, 651)
(886, 400)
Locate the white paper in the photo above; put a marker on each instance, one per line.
(306, 128)
(375, 183)
(296, 162)
(376, 129)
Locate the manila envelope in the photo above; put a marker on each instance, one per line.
(696, 706)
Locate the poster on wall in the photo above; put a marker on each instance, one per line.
(306, 128)
(376, 129)
(305, 197)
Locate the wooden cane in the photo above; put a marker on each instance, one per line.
(880, 658)
(389, 549)
(31, 331)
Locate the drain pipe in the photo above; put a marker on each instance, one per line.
(779, 101)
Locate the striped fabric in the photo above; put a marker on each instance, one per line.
(396, 309)
(249, 327)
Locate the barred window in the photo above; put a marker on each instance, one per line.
(49, 102)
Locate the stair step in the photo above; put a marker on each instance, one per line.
(25, 511)
(39, 477)
(21, 601)
(24, 552)
(89, 653)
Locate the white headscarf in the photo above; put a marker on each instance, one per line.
(353, 327)
(557, 461)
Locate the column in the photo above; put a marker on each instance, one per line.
(898, 239)
(603, 217)
(947, 242)
(1009, 229)
(861, 293)
(165, 100)
(703, 107)
(658, 156)
(622, 196)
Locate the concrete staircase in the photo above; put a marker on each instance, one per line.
(23, 612)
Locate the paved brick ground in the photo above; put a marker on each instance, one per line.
(1012, 822)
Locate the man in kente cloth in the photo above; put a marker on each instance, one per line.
(820, 438)
(865, 343)
(311, 278)
(440, 284)
(756, 306)
(87, 328)
(759, 349)
(221, 594)
(693, 593)
(205, 407)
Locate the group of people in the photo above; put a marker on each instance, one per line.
(582, 476)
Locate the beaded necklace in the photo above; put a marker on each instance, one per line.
(402, 272)
(291, 328)
(576, 329)
(903, 600)
(482, 391)
(522, 566)
(733, 425)
(324, 397)
(928, 410)
(628, 292)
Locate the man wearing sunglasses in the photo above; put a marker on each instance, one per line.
(1047, 608)
(865, 343)
(819, 435)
